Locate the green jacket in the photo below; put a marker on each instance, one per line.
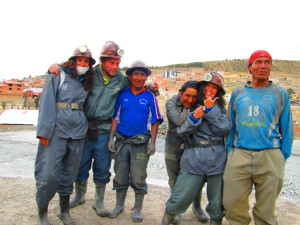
(100, 116)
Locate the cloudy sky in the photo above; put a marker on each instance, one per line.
(38, 33)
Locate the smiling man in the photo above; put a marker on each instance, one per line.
(258, 145)
(136, 111)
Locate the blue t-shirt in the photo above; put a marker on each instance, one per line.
(136, 113)
(261, 119)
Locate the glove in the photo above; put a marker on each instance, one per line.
(150, 149)
(44, 141)
(111, 145)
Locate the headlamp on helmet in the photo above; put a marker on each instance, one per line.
(208, 77)
(120, 52)
(83, 48)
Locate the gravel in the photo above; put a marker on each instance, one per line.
(18, 151)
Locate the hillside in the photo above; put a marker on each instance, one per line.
(239, 66)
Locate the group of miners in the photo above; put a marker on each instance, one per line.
(89, 116)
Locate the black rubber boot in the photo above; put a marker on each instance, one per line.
(64, 214)
(167, 218)
(80, 190)
(121, 196)
(99, 199)
(216, 222)
(199, 212)
(138, 205)
(43, 216)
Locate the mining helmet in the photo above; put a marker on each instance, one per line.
(215, 78)
(111, 50)
(83, 51)
(138, 65)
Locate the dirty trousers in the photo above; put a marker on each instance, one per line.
(245, 168)
(56, 168)
(131, 168)
(187, 187)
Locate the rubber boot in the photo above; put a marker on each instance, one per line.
(177, 218)
(121, 196)
(64, 214)
(167, 218)
(138, 205)
(216, 222)
(201, 215)
(80, 190)
(43, 216)
(99, 198)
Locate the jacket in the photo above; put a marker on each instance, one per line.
(100, 115)
(65, 123)
(211, 128)
(176, 114)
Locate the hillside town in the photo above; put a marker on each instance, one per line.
(169, 82)
(24, 94)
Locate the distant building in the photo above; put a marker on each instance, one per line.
(169, 73)
(150, 79)
(32, 92)
(227, 97)
(11, 88)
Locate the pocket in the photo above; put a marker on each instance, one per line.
(230, 155)
(92, 133)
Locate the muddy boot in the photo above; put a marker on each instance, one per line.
(80, 190)
(64, 214)
(99, 198)
(216, 222)
(43, 216)
(138, 205)
(167, 218)
(177, 219)
(121, 196)
(201, 215)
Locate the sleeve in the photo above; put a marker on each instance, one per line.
(173, 113)
(156, 115)
(286, 127)
(47, 107)
(220, 123)
(116, 115)
(188, 126)
(231, 115)
(156, 93)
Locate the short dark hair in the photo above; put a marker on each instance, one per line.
(189, 84)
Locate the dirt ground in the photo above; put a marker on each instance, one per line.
(18, 206)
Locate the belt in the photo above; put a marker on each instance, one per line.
(99, 122)
(72, 106)
(207, 143)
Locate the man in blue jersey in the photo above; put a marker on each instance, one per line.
(258, 145)
(135, 112)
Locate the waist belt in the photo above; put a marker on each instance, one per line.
(99, 122)
(72, 106)
(207, 143)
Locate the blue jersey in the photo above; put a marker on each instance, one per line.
(261, 119)
(136, 113)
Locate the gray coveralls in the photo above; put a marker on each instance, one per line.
(131, 162)
(57, 165)
(202, 162)
(176, 114)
